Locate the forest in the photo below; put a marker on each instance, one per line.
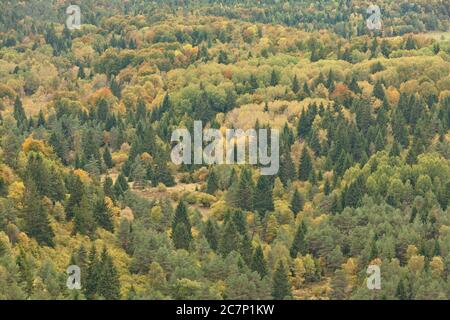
(86, 178)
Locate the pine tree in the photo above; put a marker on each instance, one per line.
(295, 85)
(84, 222)
(81, 74)
(259, 263)
(108, 283)
(230, 238)
(327, 187)
(108, 187)
(274, 78)
(281, 288)
(181, 227)
(107, 158)
(305, 167)
(246, 249)
(299, 244)
(263, 196)
(211, 234)
(90, 286)
(378, 91)
(102, 215)
(287, 168)
(246, 190)
(212, 184)
(36, 220)
(297, 202)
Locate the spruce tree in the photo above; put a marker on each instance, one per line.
(230, 238)
(212, 184)
(90, 286)
(108, 283)
(246, 190)
(107, 158)
(84, 222)
(102, 215)
(281, 288)
(259, 263)
(287, 168)
(263, 196)
(299, 244)
(181, 227)
(305, 167)
(297, 202)
(36, 220)
(246, 249)
(295, 85)
(211, 234)
(274, 78)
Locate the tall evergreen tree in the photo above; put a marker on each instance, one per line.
(299, 244)
(305, 167)
(263, 202)
(281, 288)
(297, 202)
(212, 184)
(246, 190)
(259, 263)
(181, 227)
(108, 283)
(36, 220)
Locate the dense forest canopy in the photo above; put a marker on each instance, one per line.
(86, 179)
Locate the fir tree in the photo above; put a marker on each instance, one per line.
(212, 184)
(263, 196)
(230, 238)
(305, 167)
(297, 202)
(299, 244)
(211, 234)
(259, 263)
(36, 220)
(107, 158)
(295, 85)
(108, 283)
(181, 227)
(246, 190)
(281, 288)
(102, 215)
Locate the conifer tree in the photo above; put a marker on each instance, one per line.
(246, 190)
(212, 184)
(246, 249)
(295, 85)
(281, 288)
(297, 202)
(305, 167)
(108, 283)
(274, 78)
(287, 168)
(263, 202)
(84, 222)
(102, 216)
(181, 227)
(211, 234)
(36, 220)
(230, 238)
(92, 275)
(259, 263)
(107, 158)
(299, 244)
